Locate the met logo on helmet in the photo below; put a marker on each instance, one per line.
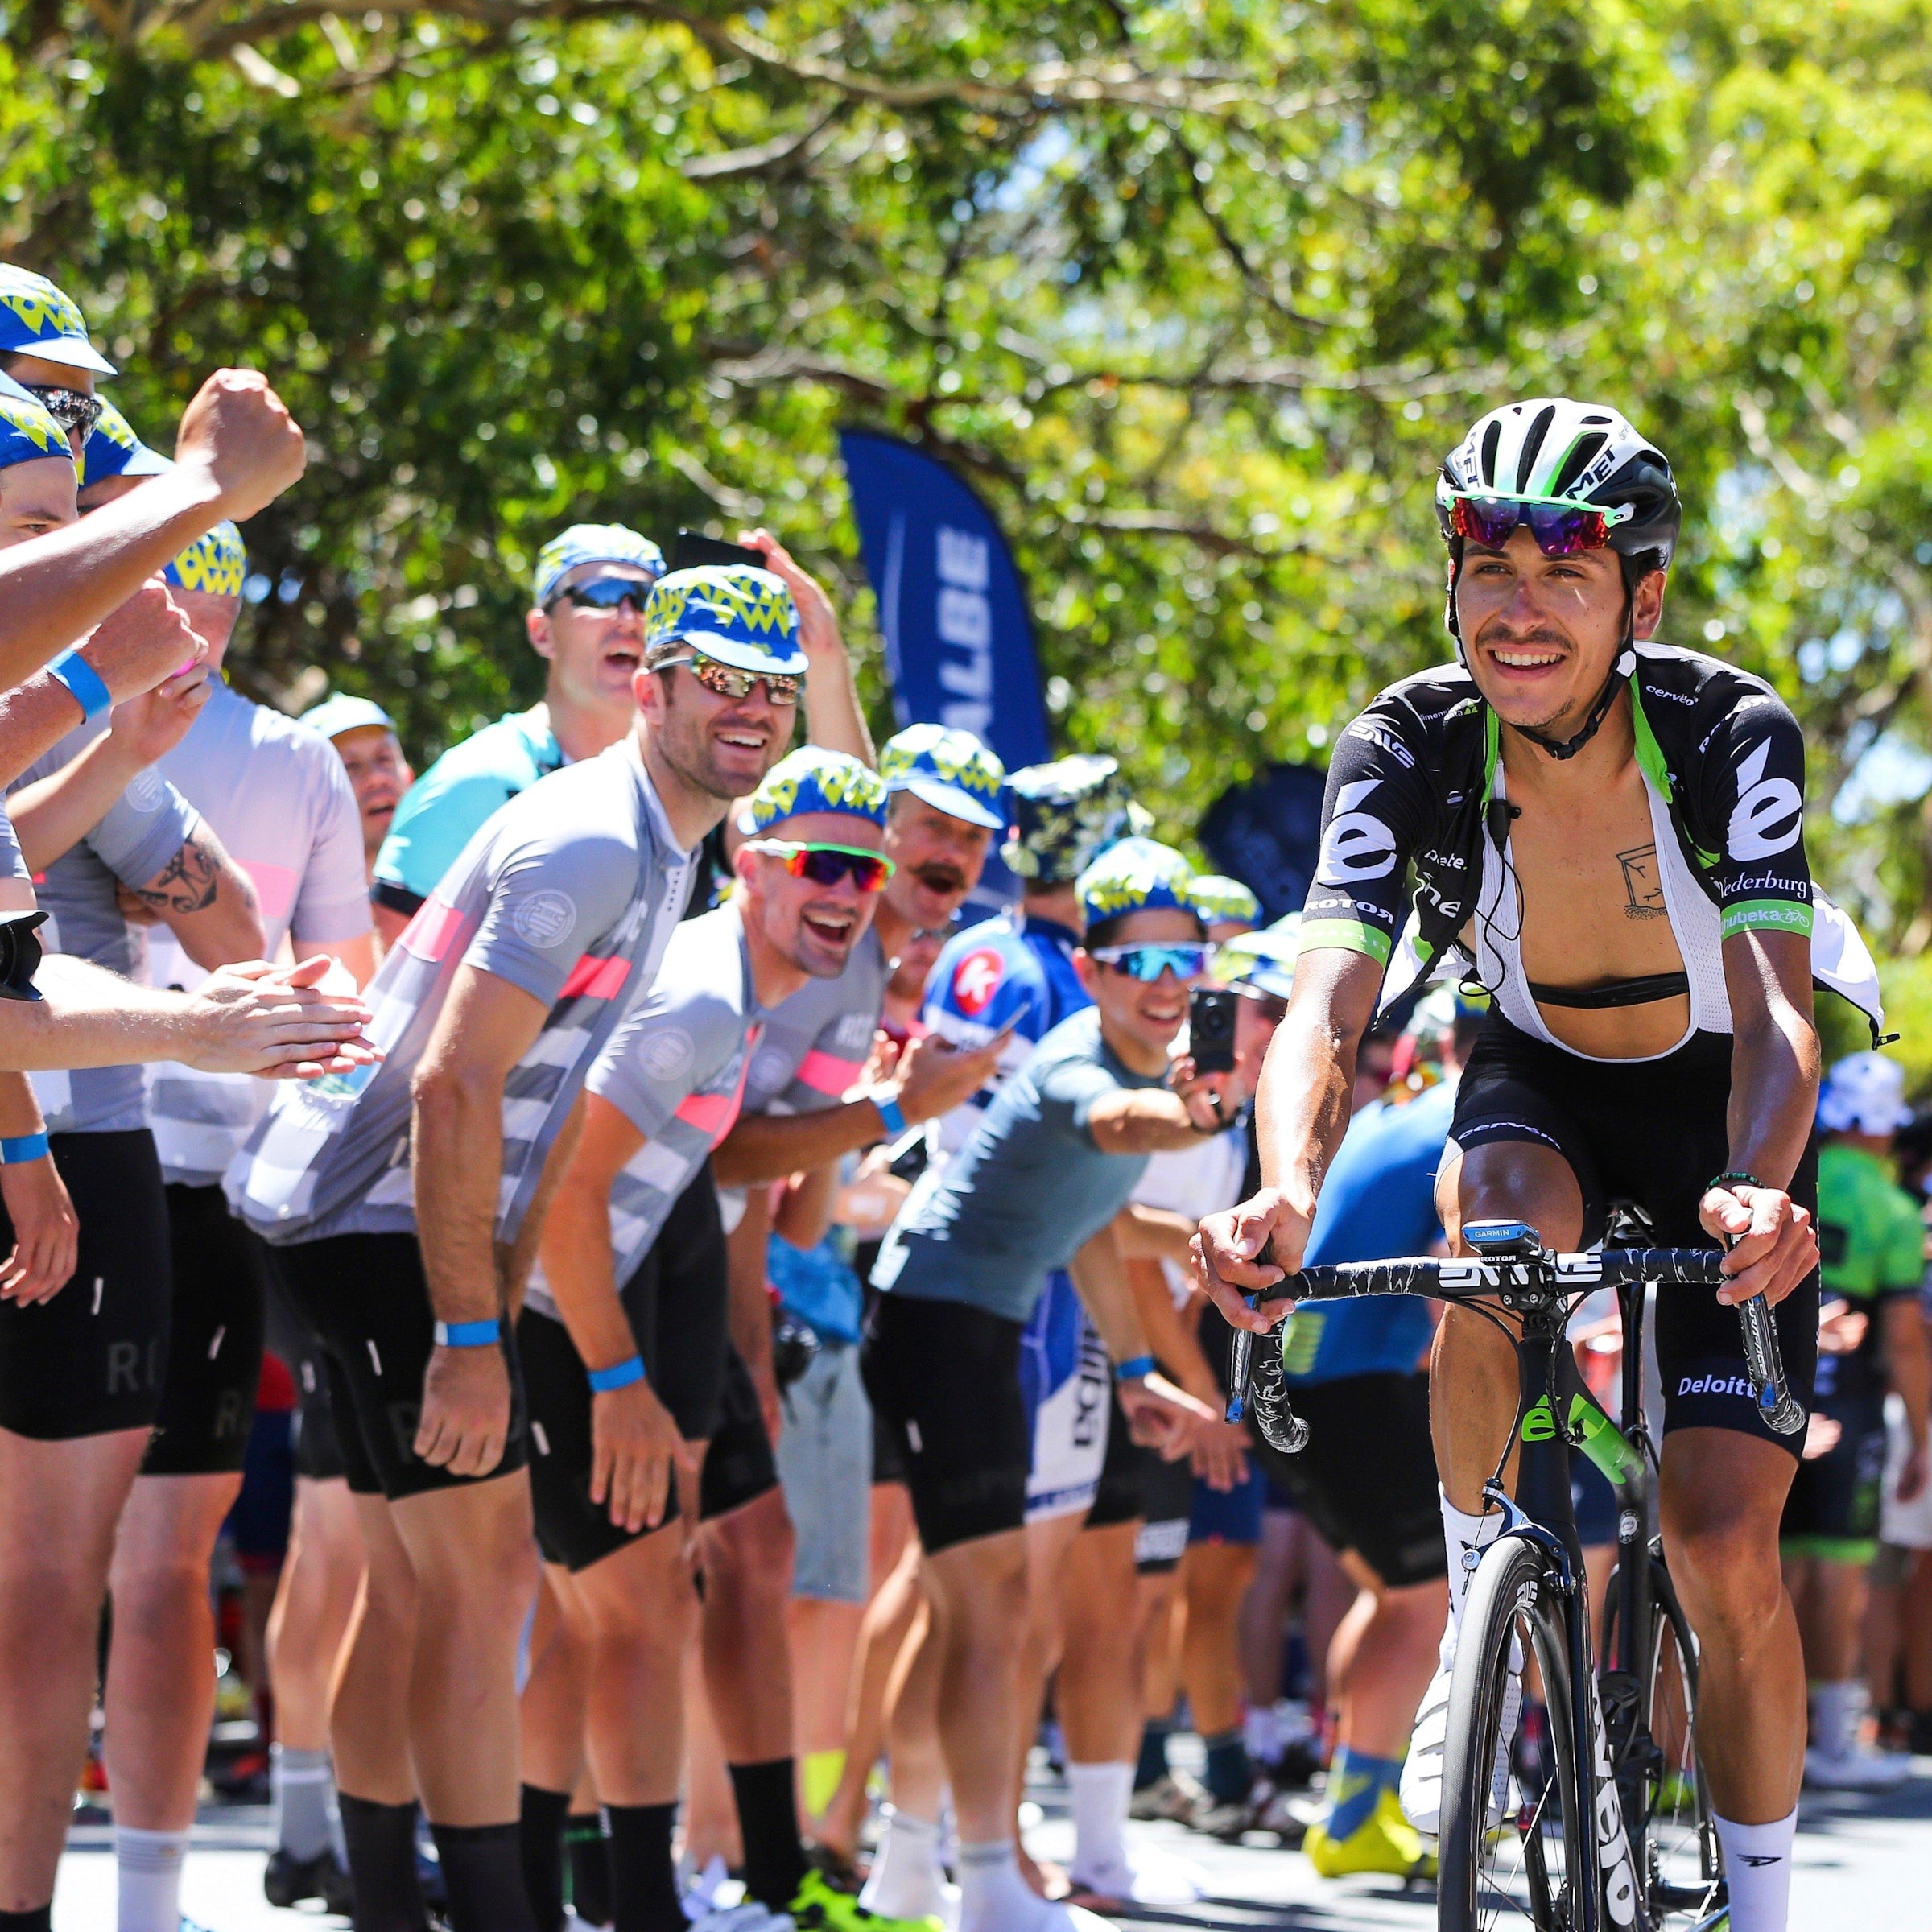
(1769, 813)
(1356, 846)
(976, 979)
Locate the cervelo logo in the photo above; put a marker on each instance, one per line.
(1768, 812)
(976, 979)
(1358, 845)
(1718, 1384)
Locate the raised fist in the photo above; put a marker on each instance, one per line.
(238, 432)
(145, 643)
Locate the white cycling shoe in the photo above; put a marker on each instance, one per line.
(1857, 1769)
(1421, 1789)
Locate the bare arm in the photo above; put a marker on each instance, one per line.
(238, 449)
(750, 1307)
(804, 1213)
(575, 1245)
(1152, 1120)
(1153, 1234)
(1302, 1103)
(1908, 1363)
(207, 901)
(833, 713)
(358, 955)
(1160, 1415)
(1774, 1061)
(245, 1020)
(47, 1231)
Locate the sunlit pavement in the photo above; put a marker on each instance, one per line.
(1862, 1862)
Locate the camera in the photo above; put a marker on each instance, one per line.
(19, 953)
(1211, 1011)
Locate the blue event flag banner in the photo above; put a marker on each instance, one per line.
(1267, 834)
(958, 637)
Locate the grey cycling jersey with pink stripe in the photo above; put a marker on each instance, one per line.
(280, 802)
(139, 833)
(816, 1043)
(569, 892)
(676, 1070)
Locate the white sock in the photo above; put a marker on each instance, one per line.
(1462, 1536)
(1757, 1863)
(1100, 1794)
(993, 1897)
(1261, 1733)
(149, 1864)
(907, 1880)
(1835, 1715)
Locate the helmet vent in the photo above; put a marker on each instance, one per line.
(1583, 453)
(1492, 437)
(1533, 443)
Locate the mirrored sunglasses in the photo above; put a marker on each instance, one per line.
(73, 409)
(1561, 527)
(606, 593)
(726, 681)
(1147, 963)
(827, 864)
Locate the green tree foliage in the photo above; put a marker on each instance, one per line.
(1196, 291)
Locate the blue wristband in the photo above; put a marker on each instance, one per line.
(1135, 1368)
(468, 1334)
(619, 1375)
(890, 1112)
(83, 683)
(21, 1147)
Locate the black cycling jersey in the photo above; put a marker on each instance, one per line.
(1414, 782)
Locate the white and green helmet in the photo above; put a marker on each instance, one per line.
(1552, 451)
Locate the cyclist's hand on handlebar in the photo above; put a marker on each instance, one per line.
(1235, 1252)
(1773, 1246)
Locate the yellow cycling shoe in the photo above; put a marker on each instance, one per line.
(1384, 1841)
(820, 1906)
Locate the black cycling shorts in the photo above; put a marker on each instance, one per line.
(93, 1359)
(313, 1436)
(945, 1378)
(214, 1350)
(1652, 1131)
(1119, 1497)
(1167, 1512)
(367, 1298)
(739, 1466)
(888, 1465)
(1367, 1479)
(1833, 1508)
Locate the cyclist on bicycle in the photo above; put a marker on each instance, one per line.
(1609, 833)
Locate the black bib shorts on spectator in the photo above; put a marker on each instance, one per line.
(944, 1378)
(1652, 1131)
(215, 1343)
(367, 1298)
(318, 1449)
(676, 1302)
(93, 1359)
(1367, 1479)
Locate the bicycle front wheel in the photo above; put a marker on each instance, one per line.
(1511, 1852)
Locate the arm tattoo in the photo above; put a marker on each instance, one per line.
(188, 882)
(1643, 883)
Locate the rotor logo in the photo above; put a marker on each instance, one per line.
(1358, 845)
(976, 980)
(1769, 813)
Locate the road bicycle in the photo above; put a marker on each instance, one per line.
(1610, 1826)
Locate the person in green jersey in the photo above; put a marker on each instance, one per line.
(1871, 1337)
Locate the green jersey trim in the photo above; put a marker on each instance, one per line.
(1348, 935)
(1749, 913)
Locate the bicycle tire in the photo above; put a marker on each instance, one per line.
(1675, 1790)
(1491, 1879)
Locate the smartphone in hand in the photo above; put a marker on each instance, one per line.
(1211, 1011)
(692, 550)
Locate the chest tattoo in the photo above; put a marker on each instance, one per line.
(1643, 884)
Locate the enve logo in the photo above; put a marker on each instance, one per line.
(1768, 812)
(1356, 846)
(976, 980)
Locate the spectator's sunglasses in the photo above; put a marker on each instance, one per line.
(827, 864)
(727, 681)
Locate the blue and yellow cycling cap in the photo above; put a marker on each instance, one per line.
(27, 433)
(1137, 875)
(37, 319)
(112, 449)
(949, 770)
(216, 562)
(1263, 961)
(730, 612)
(592, 543)
(812, 779)
(1218, 897)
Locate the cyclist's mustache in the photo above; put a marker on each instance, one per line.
(1503, 635)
